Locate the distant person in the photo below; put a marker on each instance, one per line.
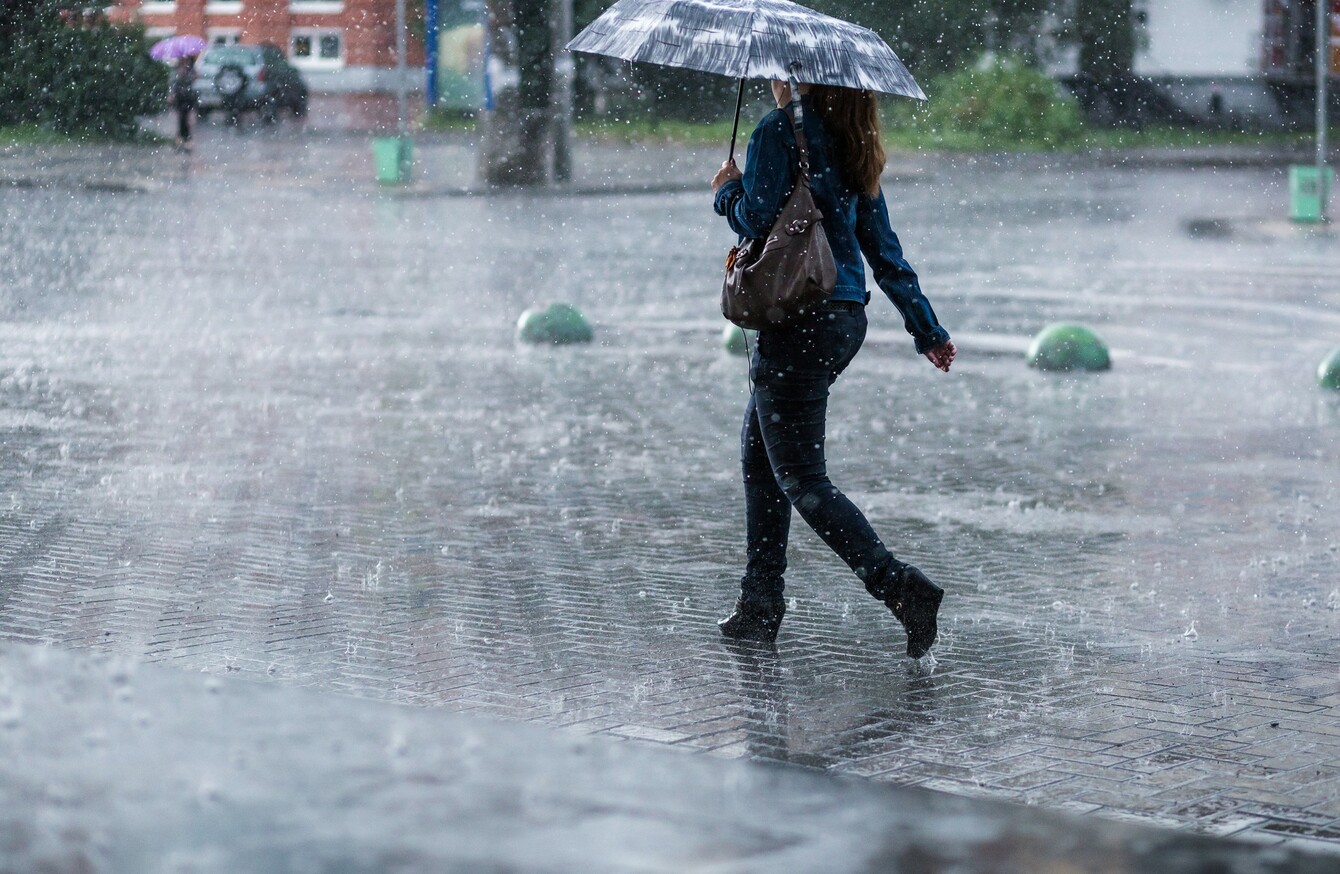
(782, 443)
(184, 99)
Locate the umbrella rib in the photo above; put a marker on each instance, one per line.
(749, 48)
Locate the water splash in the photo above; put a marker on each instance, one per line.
(924, 666)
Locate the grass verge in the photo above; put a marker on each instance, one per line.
(900, 134)
(605, 130)
(32, 135)
(35, 135)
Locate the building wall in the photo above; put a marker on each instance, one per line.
(340, 45)
(1184, 38)
(1201, 38)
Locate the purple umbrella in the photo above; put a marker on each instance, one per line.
(175, 47)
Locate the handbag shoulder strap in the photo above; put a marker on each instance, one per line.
(797, 113)
(801, 143)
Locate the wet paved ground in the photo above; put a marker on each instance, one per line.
(261, 418)
(120, 766)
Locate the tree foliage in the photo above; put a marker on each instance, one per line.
(940, 36)
(1003, 102)
(75, 73)
(1105, 31)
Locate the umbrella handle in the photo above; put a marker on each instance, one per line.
(735, 129)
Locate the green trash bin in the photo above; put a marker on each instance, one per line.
(1305, 192)
(394, 158)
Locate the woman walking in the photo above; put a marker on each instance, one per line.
(793, 366)
(184, 99)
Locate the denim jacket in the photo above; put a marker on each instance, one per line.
(855, 223)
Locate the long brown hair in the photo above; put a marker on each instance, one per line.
(852, 118)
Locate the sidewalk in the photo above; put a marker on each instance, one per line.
(263, 420)
(334, 143)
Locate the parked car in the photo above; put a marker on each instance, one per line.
(239, 78)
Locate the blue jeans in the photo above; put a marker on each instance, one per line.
(782, 452)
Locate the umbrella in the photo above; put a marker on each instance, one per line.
(748, 39)
(175, 47)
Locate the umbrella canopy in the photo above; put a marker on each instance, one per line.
(175, 47)
(748, 39)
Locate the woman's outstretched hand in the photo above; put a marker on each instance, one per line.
(943, 355)
(727, 172)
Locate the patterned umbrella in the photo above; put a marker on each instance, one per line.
(748, 39)
(175, 47)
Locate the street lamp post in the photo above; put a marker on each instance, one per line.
(1323, 75)
(560, 31)
(402, 110)
(393, 155)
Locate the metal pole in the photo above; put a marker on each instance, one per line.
(495, 45)
(1323, 98)
(430, 53)
(564, 72)
(402, 111)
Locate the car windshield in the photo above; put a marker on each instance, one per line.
(229, 55)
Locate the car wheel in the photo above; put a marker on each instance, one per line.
(230, 81)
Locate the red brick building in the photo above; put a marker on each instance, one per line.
(340, 45)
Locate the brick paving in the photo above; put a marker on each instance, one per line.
(119, 766)
(285, 433)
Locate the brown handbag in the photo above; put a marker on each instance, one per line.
(773, 281)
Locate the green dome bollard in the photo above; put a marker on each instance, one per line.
(733, 338)
(557, 323)
(1328, 372)
(1066, 346)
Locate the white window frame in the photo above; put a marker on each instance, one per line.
(157, 7)
(223, 7)
(231, 36)
(316, 62)
(323, 7)
(157, 33)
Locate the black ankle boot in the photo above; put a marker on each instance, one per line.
(915, 601)
(754, 620)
